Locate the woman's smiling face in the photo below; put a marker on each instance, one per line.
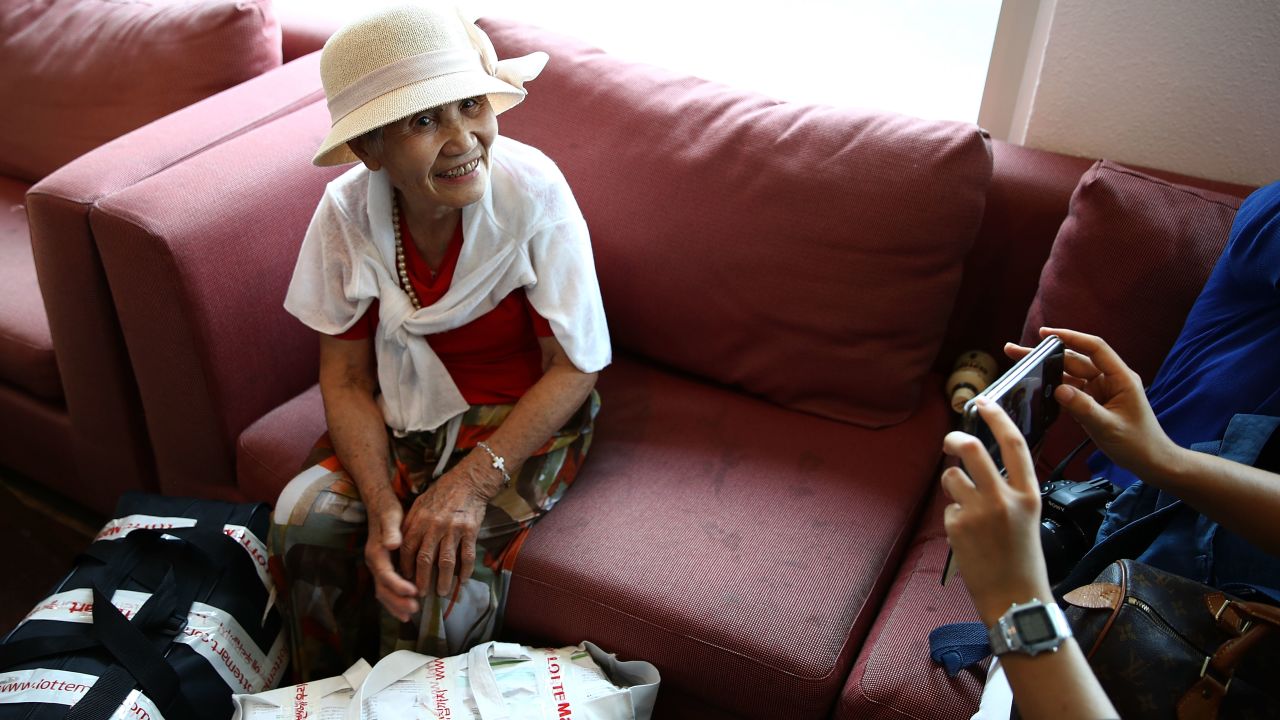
(439, 157)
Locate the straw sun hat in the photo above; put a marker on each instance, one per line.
(407, 58)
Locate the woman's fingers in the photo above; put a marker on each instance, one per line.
(978, 465)
(392, 590)
(957, 485)
(466, 556)
(1090, 348)
(1015, 351)
(411, 547)
(446, 564)
(1019, 468)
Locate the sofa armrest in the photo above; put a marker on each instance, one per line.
(198, 256)
(109, 438)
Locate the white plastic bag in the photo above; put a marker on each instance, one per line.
(495, 681)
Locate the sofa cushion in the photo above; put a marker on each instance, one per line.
(271, 450)
(741, 547)
(1130, 260)
(893, 677)
(810, 255)
(26, 345)
(81, 72)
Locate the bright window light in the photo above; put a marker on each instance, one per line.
(920, 57)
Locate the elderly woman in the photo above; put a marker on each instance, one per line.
(450, 277)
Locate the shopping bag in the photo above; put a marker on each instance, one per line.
(166, 614)
(494, 681)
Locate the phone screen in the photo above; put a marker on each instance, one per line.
(1026, 394)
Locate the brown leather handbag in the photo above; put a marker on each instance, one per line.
(1164, 646)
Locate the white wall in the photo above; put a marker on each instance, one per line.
(1191, 86)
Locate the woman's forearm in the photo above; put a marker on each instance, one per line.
(543, 410)
(359, 437)
(1057, 685)
(1243, 499)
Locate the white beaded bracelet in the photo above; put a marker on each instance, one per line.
(499, 463)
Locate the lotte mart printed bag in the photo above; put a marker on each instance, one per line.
(165, 615)
(494, 681)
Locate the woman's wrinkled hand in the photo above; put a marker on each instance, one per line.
(440, 531)
(1107, 398)
(993, 522)
(397, 595)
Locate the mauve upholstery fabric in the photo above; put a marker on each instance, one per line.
(741, 547)
(302, 32)
(81, 72)
(1130, 260)
(809, 255)
(34, 442)
(26, 345)
(199, 256)
(1028, 198)
(109, 433)
(271, 450)
(893, 676)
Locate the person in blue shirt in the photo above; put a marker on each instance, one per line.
(1184, 449)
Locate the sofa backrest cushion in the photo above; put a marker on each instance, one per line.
(809, 255)
(78, 73)
(1130, 260)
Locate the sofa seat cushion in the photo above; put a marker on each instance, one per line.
(893, 677)
(809, 255)
(26, 346)
(1130, 260)
(271, 450)
(81, 72)
(739, 546)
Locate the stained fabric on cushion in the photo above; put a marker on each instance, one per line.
(893, 677)
(740, 547)
(1129, 261)
(26, 345)
(81, 72)
(806, 254)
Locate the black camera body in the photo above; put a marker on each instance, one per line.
(1070, 514)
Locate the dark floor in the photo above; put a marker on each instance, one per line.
(40, 535)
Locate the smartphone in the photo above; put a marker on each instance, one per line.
(1026, 394)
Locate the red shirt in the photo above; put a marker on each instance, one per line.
(493, 359)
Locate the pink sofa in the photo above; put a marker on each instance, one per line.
(74, 75)
(786, 287)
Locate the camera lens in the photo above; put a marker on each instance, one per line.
(1063, 546)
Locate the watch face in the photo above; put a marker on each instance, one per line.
(1033, 625)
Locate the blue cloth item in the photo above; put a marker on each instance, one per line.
(1218, 391)
(1174, 537)
(958, 645)
(1224, 360)
(1185, 543)
(1220, 380)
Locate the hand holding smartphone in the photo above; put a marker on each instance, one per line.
(1025, 393)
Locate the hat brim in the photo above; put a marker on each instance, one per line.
(407, 100)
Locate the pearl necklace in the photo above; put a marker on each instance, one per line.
(402, 267)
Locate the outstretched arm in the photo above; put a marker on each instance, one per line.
(348, 381)
(1106, 397)
(993, 526)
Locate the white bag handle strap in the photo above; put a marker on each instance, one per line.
(387, 672)
(484, 686)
